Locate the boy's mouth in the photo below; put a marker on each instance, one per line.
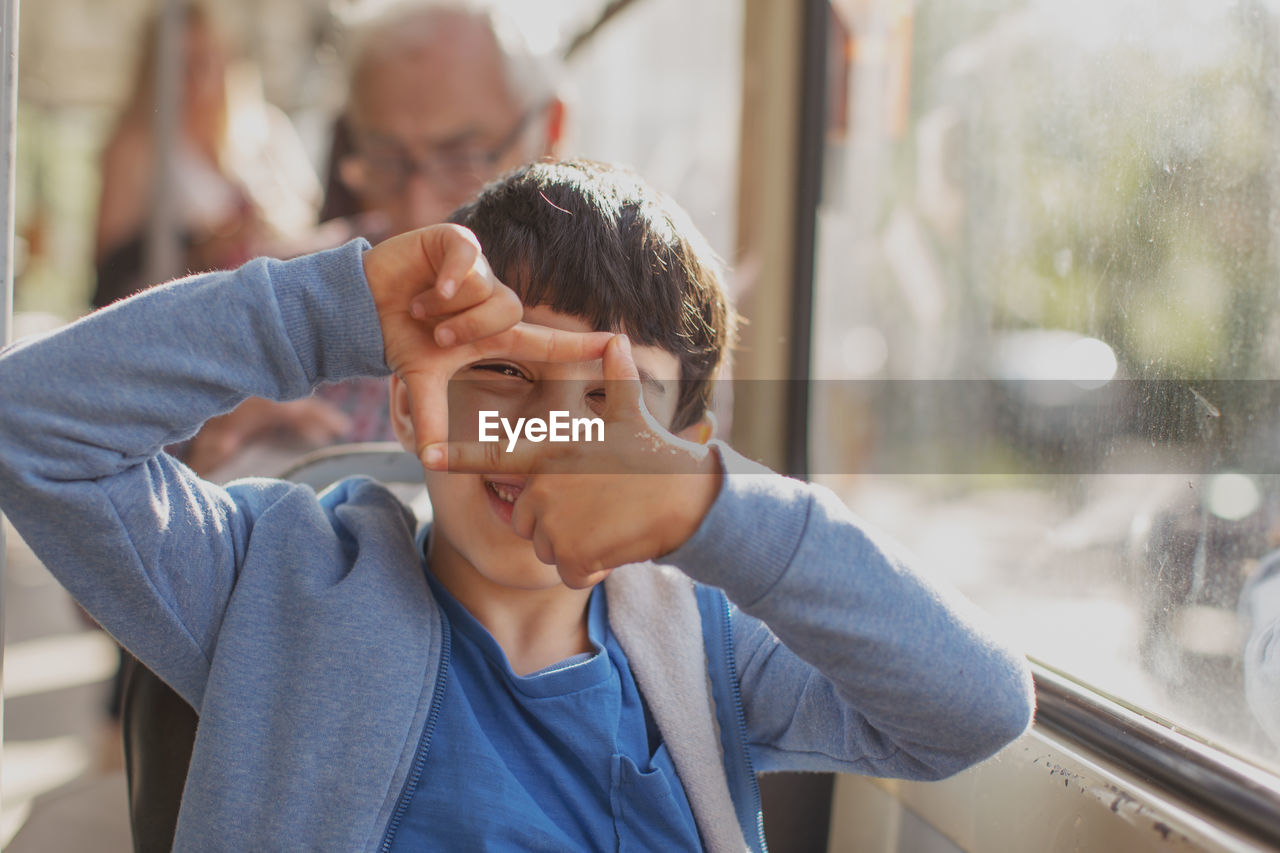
(502, 493)
(505, 491)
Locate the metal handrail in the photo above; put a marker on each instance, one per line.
(163, 259)
(1233, 791)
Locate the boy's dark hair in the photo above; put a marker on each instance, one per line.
(593, 241)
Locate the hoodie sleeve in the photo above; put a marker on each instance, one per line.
(848, 659)
(148, 548)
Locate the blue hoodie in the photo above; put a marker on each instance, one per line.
(783, 635)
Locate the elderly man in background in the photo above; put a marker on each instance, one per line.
(442, 98)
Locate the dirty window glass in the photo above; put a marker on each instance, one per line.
(1046, 329)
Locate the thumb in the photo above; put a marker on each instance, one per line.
(621, 379)
(428, 407)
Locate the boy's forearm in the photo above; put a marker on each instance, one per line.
(910, 659)
(122, 383)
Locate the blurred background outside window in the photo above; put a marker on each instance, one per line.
(1046, 325)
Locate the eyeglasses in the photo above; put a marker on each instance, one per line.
(381, 168)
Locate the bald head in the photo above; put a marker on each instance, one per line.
(448, 53)
(453, 91)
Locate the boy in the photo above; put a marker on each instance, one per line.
(476, 686)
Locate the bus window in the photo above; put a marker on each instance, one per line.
(1045, 328)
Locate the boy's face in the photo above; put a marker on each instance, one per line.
(472, 539)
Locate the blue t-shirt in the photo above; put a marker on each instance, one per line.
(566, 758)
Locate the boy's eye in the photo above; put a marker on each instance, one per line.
(596, 399)
(502, 369)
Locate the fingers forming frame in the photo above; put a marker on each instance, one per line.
(498, 312)
(623, 394)
(428, 408)
(460, 255)
(472, 287)
(624, 397)
(474, 457)
(542, 343)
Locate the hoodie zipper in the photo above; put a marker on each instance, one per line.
(424, 742)
(740, 716)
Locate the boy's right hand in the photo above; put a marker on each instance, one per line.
(441, 307)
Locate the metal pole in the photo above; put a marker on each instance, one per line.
(8, 150)
(163, 257)
(810, 150)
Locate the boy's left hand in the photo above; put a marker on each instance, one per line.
(589, 507)
(440, 307)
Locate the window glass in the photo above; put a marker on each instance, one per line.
(659, 88)
(1046, 328)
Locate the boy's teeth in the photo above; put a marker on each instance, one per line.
(506, 493)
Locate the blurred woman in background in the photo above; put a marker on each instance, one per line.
(239, 183)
